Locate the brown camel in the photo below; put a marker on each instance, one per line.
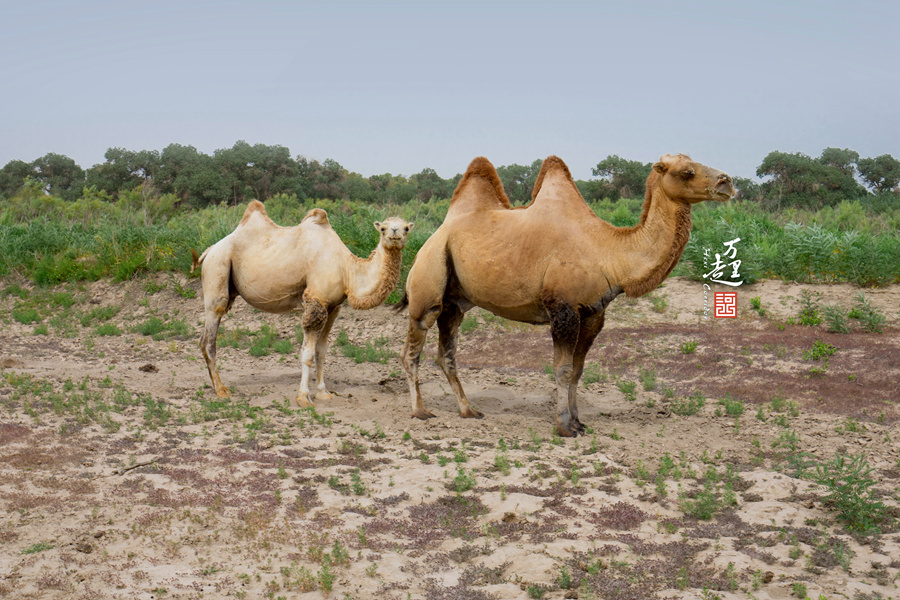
(553, 261)
(305, 268)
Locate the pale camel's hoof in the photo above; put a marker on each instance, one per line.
(423, 413)
(324, 395)
(471, 413)
(304, 402)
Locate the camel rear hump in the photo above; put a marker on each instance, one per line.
(556, 182)
(479, 189)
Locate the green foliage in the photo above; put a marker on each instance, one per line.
(689, 405)
(819, 351)
(868, 315)
(374, 351)
(848, 482)
(689, 347)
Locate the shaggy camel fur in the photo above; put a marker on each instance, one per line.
(305, 268)
(553, 261)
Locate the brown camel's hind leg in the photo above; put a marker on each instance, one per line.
(448, 328)
(565, 325)
(588, 331)
(321, 348)
(313, 321)
(412, 351)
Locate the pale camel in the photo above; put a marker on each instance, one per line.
(553, 261)
(303, 268)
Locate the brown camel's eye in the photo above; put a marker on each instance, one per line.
(687, 174)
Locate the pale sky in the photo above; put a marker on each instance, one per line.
(399, 86)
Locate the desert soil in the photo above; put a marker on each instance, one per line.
(122, 476)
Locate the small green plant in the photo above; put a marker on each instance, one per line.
(756, 304)
(871, 318)
(39, 547)
(689, 347)
(648, 379)
(835, 318)
(733, 408)
(374, 351)
(689, 405)
(628, 389)
(108, 329)
(593, 373)
(819, 351)
(659, 302)
(809, 308)
(848, 482)
(798, 589)
(26, 316)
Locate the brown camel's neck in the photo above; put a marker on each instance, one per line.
(370, 281)
(652, 248)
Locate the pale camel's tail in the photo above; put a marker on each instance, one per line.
(197, 259)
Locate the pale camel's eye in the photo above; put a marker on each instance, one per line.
(406, 229)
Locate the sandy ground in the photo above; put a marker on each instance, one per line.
(122, 476)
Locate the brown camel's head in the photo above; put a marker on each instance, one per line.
(393, 232)
(684, 179)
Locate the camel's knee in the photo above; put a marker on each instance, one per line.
(315, 315)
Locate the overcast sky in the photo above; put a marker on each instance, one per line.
(399, 86)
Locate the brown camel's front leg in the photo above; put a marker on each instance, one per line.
(564, 327)
(313, 321)
(448, 328)
(588, 331)
(412, 351)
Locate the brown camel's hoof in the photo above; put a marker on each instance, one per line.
(423, 414)
(223, 393)
(566, 432)
(471, 414)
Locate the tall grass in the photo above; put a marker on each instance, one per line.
(50, 240)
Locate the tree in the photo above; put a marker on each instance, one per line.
(124, 170)
(60, 175)
(881, 174)
(431, 185)
(844, 160)
(801, 181)
(627, 177)
(13, 176)
(191, 175)
(518, 181)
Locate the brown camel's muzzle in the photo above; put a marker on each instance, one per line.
(724, 188)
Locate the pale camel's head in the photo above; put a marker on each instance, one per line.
(684, 179)
(394, 232)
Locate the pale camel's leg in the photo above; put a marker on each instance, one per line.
(448, 328)
(412, 351)
(208, 347)
(564, 327)
(313, 321)
(217, 300)
(589, 329)
(321, 348)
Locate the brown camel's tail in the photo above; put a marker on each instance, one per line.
(401, 306)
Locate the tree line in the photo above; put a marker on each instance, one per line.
(244, 172)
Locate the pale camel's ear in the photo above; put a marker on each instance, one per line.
(378, 225)
(409, 227)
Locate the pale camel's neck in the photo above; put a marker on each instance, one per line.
(649, 251)
(370, 281)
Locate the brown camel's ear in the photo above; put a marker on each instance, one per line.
(662, 166)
